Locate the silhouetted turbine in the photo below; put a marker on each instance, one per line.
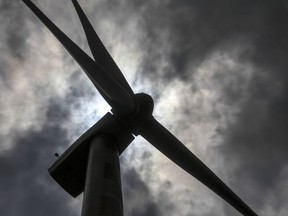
(133, 112)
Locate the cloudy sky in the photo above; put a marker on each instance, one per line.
(217, 71)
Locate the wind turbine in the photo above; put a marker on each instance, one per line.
(91, 164)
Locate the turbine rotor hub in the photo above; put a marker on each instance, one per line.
(143, 112)
(144, 105)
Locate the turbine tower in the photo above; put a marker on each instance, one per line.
(91, 164)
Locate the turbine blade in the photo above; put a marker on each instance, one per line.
(116, 96)
(170, 146)
(99, 52)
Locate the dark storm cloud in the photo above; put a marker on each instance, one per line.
(25, 185)
(196, 28)
(258, 140)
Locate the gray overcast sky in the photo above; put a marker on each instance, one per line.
(217, 71)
